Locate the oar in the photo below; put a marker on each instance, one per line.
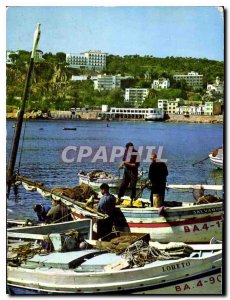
(200, 161)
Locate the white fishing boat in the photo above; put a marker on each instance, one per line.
(216, 157)
(139, 268)
(51, 259)
(190, 222)
(96, 177)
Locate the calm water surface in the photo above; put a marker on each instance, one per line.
(44, 142)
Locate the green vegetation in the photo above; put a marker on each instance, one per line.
(51, 87)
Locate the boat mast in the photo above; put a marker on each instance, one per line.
(13, 154)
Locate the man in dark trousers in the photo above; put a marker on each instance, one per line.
(106, 206)
(157, 174)
(131, 162)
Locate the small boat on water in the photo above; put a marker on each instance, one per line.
(69, 128)
(96, 177)
(56, 261)
(216, 157)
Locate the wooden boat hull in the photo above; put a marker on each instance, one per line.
(216, 158)
(97, 183)
(188, 222)
(191, 275)
(191, 224)
(218, 162)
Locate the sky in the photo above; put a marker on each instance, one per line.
(160, 31)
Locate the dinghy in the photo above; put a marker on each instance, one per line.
(217, 157)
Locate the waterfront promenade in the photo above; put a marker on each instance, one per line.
(92, 115)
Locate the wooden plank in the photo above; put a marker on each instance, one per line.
(30, 236)
(196, 247)
(195, 186)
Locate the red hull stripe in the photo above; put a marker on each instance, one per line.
(176, 223)
(168, 224)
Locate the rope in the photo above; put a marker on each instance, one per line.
(63, 217)
(27, 251)
(140, 253)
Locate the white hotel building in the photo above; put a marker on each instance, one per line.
(155, 114)
(136, 96)
(192, 79)
(107, 82)
(92, 59)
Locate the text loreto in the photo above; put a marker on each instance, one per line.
(176, 266)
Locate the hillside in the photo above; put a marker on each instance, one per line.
(51, 87)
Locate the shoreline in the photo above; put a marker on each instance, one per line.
(91, 117)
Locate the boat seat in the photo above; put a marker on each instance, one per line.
(63, 260)
(97, 263)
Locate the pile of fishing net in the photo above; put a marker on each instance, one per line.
(208, 199)
(80, 192)
(96, 174)
(140, 252)
(118, 244)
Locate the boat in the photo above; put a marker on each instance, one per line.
(186, 114)
(186, 222)
(69, 128)
(60, 262)
(216, 157)
(95, 178)
(56, 262)
(189, 222)
(154, 116)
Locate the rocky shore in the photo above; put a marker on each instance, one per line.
(92, 115)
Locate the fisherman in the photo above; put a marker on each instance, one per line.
(157, 174)
(131, 162)
(106, 206)
(41, 211)
(58, 212)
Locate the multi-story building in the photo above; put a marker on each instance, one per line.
(163, 104)
(38, 56)
(8, 58)
(136, 96)
(215, 88)
(161, 83)
(212, 108)
(192, 79)
(107, 82)
(169, 106)
(172, 105)
(92, 59)
(131, 113)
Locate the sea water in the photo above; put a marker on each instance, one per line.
(44, 142)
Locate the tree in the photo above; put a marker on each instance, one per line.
(61, 57)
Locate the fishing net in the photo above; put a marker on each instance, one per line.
(208, 199)
(98, 174)
(79, 193)
(140, 253)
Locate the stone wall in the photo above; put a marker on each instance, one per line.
(195, 119)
